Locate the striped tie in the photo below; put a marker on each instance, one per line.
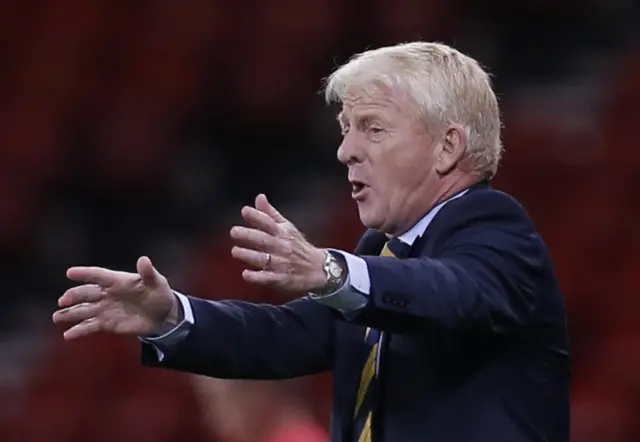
(368, 379)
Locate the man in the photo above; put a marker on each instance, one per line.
(446, 324)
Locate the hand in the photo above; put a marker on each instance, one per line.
(117, 302)
(287, 261)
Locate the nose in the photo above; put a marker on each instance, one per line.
(349, 152)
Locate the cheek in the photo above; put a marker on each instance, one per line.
(387, 189)
(413, 167)
(400, 170)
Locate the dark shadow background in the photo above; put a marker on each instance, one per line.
(141, 127)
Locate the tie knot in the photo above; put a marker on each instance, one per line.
(395, 248)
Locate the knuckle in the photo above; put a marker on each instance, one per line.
(288, 248)
(101, 305)
(253, 236)
(137, 284)
(290, 270)
(105, 293)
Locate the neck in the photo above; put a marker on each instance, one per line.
(454, 186)
(449, 186)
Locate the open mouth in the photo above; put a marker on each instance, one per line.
(357, 189)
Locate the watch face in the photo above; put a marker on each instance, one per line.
(335, 270)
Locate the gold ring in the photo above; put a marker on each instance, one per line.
(267, 261)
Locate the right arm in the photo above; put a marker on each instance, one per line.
(240, 340)
(226, 339)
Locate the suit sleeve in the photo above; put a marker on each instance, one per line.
(240, 340)
(484, 277)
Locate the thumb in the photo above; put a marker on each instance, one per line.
(150, 276)
(263, 205)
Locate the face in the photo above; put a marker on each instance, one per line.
(393, 161)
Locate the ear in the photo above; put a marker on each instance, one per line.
(451, 148)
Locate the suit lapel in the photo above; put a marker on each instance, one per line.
(371, 243)
(417, 246)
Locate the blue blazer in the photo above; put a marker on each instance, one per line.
(476, 344)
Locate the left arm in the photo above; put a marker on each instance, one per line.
(470, 286)
(484, 278)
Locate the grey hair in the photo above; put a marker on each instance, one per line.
(448, 87)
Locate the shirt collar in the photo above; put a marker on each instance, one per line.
(421, 226)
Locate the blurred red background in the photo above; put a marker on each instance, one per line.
(130, 128)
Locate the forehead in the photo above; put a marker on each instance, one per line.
(379, 98)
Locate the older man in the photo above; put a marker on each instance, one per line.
(445, 324)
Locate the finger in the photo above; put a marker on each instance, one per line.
(263, 277)
(77, 313)
(263, 205)
(260, 220)
(251, 257)
(253, 238)
(85, 328)
(96, 275)
(150, 276)
(81, 293)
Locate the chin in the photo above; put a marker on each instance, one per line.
(370, 220)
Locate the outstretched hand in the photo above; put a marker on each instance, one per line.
(280, 255)
(116, 302)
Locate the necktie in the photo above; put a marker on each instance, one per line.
(368, 379)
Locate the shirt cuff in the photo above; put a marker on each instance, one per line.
(353, 295)
(168, 340)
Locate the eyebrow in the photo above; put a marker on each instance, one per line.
(366, 116)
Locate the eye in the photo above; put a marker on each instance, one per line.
(373, 126)
(376, 132)
(344, 129)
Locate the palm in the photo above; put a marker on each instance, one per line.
(126, 315)
(115, 302)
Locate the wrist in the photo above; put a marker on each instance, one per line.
(176, 314)
(173, 318)
(334, 274)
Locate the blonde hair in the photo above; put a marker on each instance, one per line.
(447, 86)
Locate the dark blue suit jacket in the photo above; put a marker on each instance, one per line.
(476, 342)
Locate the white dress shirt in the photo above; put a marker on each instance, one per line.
(351, 297)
